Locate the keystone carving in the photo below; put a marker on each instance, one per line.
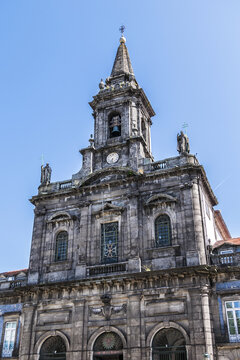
(107, 309)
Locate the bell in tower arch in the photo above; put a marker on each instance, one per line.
(116, 131)
(115, 126)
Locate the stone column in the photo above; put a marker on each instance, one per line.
(26, 351)
(207, 322)
(198, 223)
(134, 262)
(78, 340)
(83, 251)
(197, 334)
(35, 263)
(134, 327)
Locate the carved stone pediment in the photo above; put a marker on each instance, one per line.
(160, 199)
(109, 209)
(60, 218)
(108, 174)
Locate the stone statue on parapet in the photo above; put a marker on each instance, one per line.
(46, 173)
(183, 144)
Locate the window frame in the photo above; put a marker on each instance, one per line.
(233, 337)
(9, 318)
(228, 258)
(103, 259)
(157, 245)
(56, 260)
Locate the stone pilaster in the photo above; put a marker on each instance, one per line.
(198, 223)
(134, 327)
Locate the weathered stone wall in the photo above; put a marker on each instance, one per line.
(134, 201)
(140, 306)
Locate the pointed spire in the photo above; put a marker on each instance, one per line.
(122, 64)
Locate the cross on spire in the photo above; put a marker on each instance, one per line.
(122, 29)
(185, 126)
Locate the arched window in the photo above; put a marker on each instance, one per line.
(163, 236)
(169, 344)
(53, 348)
(61, 246)
(114, 125)
(106, 345)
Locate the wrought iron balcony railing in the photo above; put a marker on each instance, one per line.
(106, 269)
(232, 259)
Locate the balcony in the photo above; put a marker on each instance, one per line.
(106, 269)
(231, 259)
(11, 285)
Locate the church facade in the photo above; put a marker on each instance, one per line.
(124, 261)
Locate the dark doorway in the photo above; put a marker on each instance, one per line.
(108, 357)
(169, 344)
(53, 349)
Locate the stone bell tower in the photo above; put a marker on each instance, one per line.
(122, 121)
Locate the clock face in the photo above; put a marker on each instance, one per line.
(112, 158)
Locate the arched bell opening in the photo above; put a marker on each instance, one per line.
(53, 348)
(108, 346)
(169, 344)
(114, 125)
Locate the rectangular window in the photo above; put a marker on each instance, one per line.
(226, 257)
(109, 242)
(9, 338)
(61, 246)
(233, 320)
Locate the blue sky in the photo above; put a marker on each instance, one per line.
(185, 55)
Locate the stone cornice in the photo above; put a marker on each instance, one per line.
(112, 146)
(148, 279)
(131, 176)
(122, 91)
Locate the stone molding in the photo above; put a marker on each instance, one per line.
(166, 325)
(46, 335)
(159, 199)
(100, 331)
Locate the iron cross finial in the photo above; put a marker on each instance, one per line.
(121, 29)
(184, 127)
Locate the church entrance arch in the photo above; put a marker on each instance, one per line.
(169, 344)
(53, 348)
(108, 346)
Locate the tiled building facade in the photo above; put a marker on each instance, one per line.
(123, 263)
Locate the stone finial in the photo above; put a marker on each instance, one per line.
(101, 85)
(91, 140)
(122, 40)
